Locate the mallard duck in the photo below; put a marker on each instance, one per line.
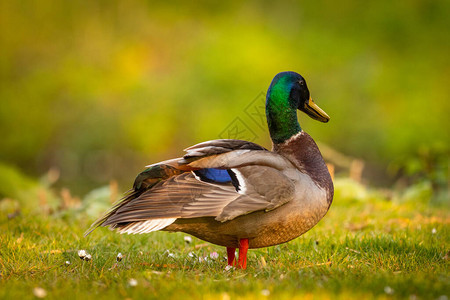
(235, 193)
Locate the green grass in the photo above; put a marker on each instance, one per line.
(366, 247)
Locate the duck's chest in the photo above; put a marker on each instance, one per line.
(294, 218)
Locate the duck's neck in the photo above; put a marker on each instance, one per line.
(281, 114)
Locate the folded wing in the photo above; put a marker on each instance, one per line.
(220, 178)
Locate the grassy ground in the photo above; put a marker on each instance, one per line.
(366, 247)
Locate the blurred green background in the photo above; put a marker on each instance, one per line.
(97, 89)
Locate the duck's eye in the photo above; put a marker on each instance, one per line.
(301, 82)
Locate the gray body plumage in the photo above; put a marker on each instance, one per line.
(279, 194)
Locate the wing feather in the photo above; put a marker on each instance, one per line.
(170, 190)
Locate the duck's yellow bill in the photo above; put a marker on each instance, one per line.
(315, 111)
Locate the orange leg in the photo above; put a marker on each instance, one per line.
(243, 247)
(231, 256)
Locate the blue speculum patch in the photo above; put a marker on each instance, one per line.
(215, 175)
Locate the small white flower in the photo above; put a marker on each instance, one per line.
(169, 254)
(119, 257)
(88, 257)
(228, 268)
(203, 258)
(433, 231)
(265, 292)
(67, 263)
(388, 290)
(191, 254)
(132, 282)
(214, 255)
(39, 292)
(82, 253)
(188, 239)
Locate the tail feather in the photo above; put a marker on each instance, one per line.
(144, 181)
(132, 194)
(145, 226)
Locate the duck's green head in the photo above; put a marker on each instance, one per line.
(287, 93)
